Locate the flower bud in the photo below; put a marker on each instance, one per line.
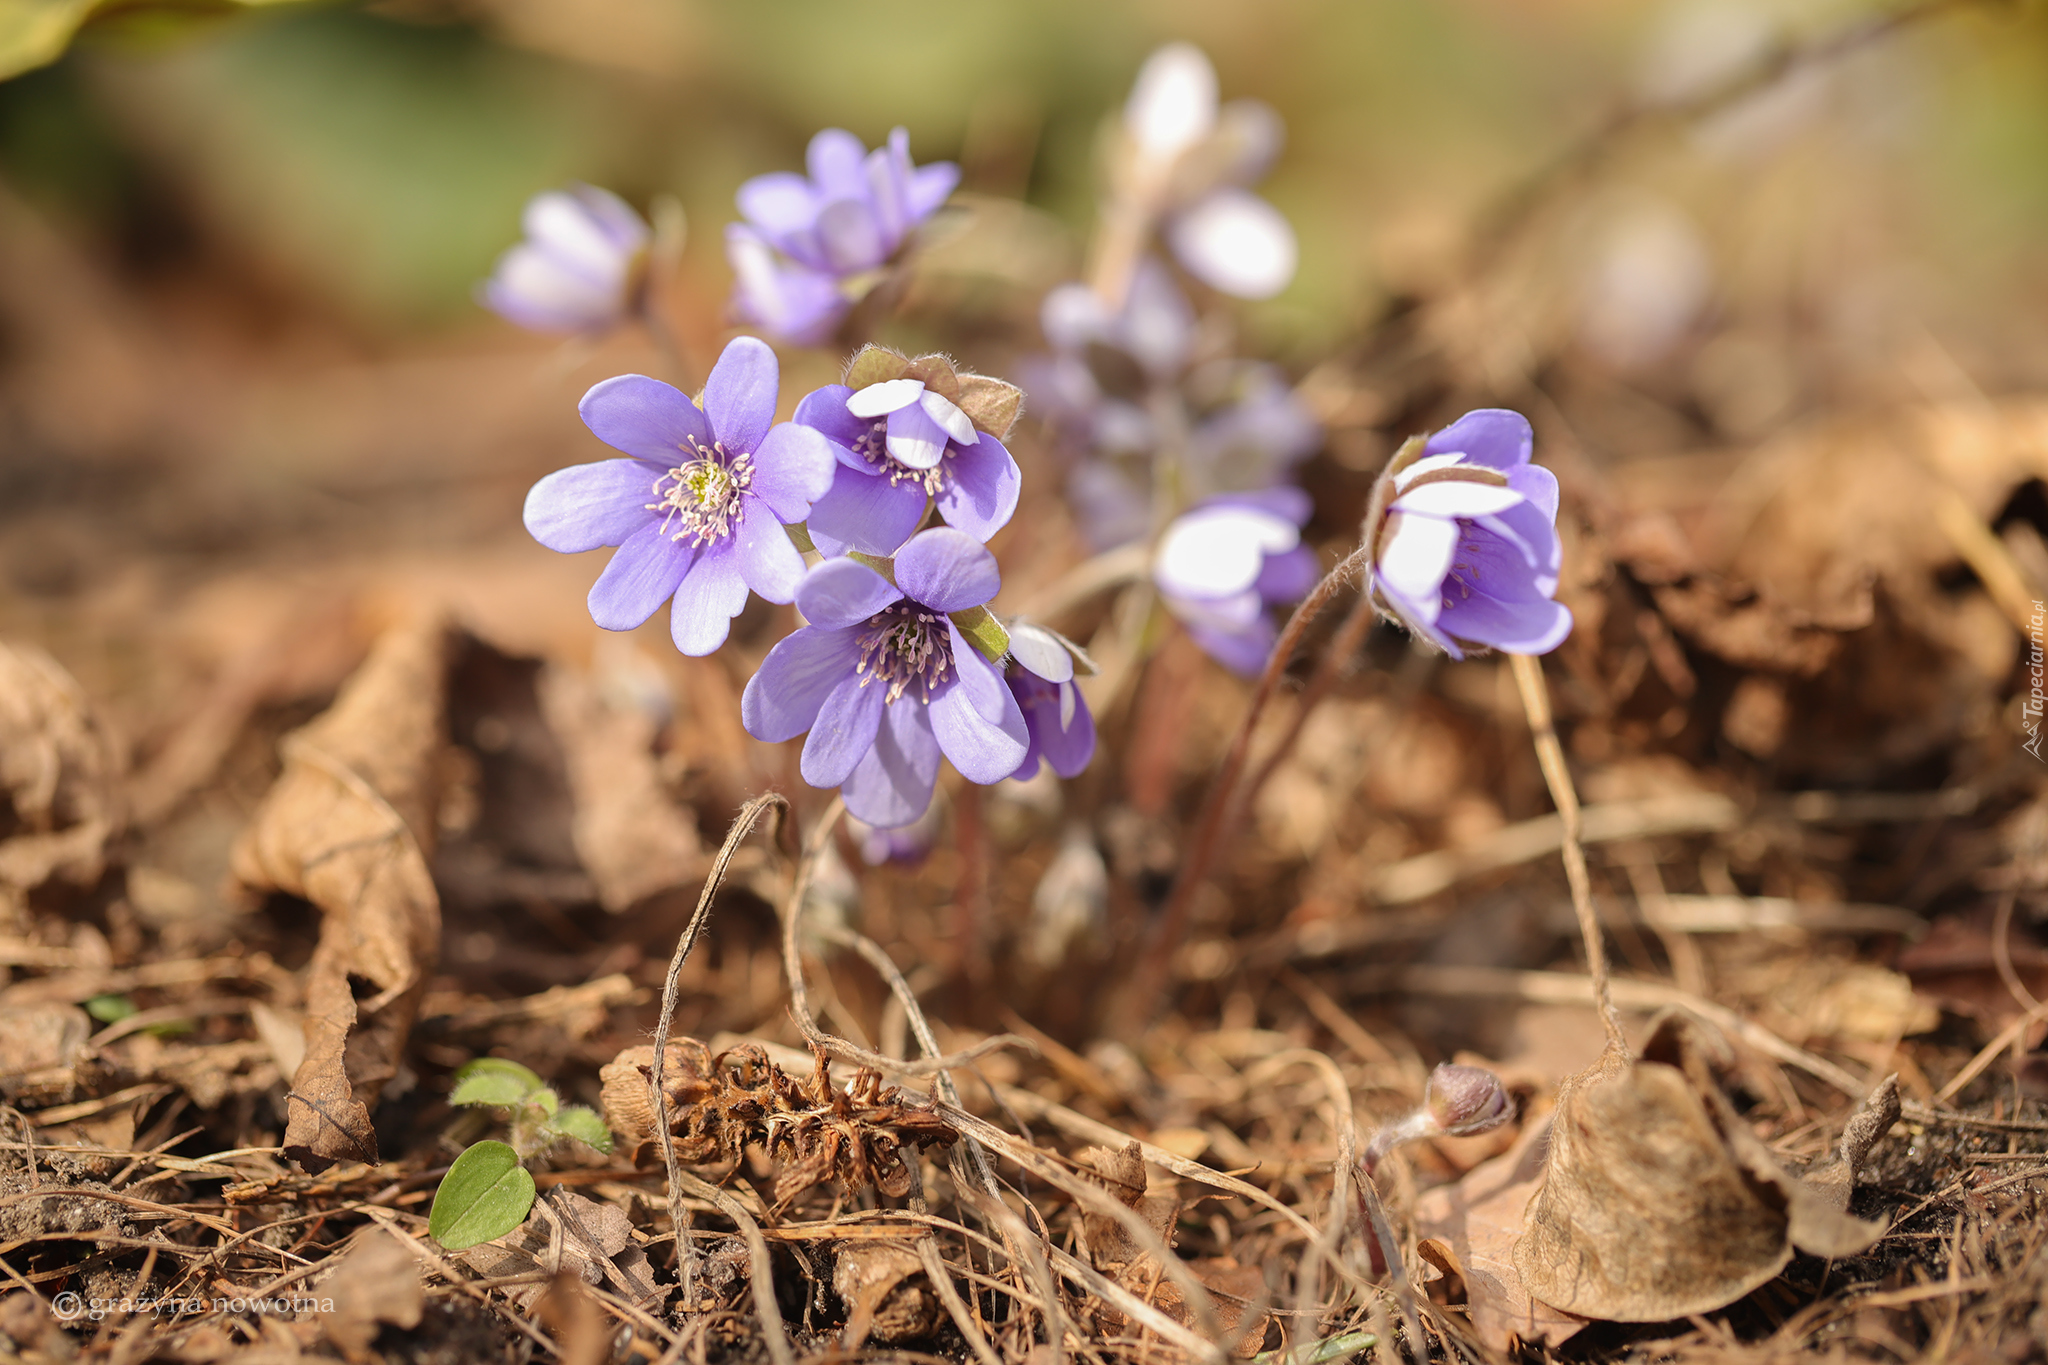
(1463, 1100)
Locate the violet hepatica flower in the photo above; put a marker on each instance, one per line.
(582, 267)
(900, 442)
(807, 239)
(1463, 534)
(698, 508)
(886, 683)
(1222, 565)
(1191, 160)
(1041, 677)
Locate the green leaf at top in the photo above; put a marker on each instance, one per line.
(582, 1123)
(493, 1080)
(485, 1195)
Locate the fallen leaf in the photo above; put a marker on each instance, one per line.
(378, 1281)
(59, 769)
(349, 825)
(887, 1294)
(1658, 1201)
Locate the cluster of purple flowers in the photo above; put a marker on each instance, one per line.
(900, 662)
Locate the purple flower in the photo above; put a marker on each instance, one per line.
(849, 216)
(698, 511)
(582, 267)
(1041, 676)
(1219, 567)
(899, 443)
(1465, 552)
(886, 683)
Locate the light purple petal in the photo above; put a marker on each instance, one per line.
(980, 497)
(781, 700)
(851, 240)
(1236, 242)
(844, 731)
(739, 397)
(640, 578)
(1489, 436)
(1243, 650)
(865, 512)
(957, 425)
(1412, 617)
(825, 410)
(778, 204)
(1288, 577)
(588, 505)
(1539, 486)
(645, 418)
(613, 216)
(1531, 536)
(947, 570)
(1071, 316)
(1158, 324)
(879, 400)
(708, 599)
(1040, 652)
(561, 225)
(931, 186)
(768, 560)
(534, 290)
(893, 784)
(795, 303)
(915, 439)
(1535, 627)
(834, 160)
(840, 593)
(888, 173)
(977, 721)
(1457, 498)
(1070, 748)
(792, 469)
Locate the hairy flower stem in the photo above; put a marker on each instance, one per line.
(1528, 672)
(1140, 1004)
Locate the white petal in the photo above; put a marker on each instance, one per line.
(1072, 316)
(565, 228)
(1173, 103)
(915, 439)
(951, 420)
(879, 400)
(1415, 554)
(1236, 242)
(1458, 499)
(1040, 652)
(1219, 551)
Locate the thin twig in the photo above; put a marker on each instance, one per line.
(1143, 996)
(686, 1255)
(1550, 754)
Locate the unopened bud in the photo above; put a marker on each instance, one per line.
(1463, 1100)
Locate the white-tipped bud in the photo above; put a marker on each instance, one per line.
(1463, 1100)
(1173, 103)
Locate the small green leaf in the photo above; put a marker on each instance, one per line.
(980, 626)
(800, 536)
(881, 564)
(582, 1123)
(110, 1009)
(493, 1080)
(485, 1195)
(1320, 1352)
(546, 1100)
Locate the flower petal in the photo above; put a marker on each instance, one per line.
(561, 225)
(841, 593)
(1241, 649)
(781, 701)
(931, 186)
(834, 160)
(844, 731)
(1236, 242)
(1457, 498)
(778, 204)
(893, 784)
(1288, 576)
(980, 496)
(1414, 555)
(865, 512)
(915, 439)
(947, 570)
(825, 409)
(739, 397)
(795, 303)
(1068, 742)
(641, 576)
(768, 560)
(1533, 627)
(1411, 616)
(1040, 652)
(977, 721)
(850, 237)
(1217, 551)
(955, 423)
(708, 599)
(588, 505)
(879, 400)
(1488, 436)
(793, 468)
(1539, 486)
(1173, 102)
(645, 418)
(534, 290)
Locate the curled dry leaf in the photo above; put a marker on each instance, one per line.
(378, 1281)
(887, 1294)
(349, 826)
(59, 769)
(1658, 1201)
(629, 834)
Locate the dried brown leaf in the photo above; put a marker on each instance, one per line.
(349, 826)
(378, 1281)
(1658, 1201)
(990, 404)
(629, 834)
(60, 771)
(887, 1294)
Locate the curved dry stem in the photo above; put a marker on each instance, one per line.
(1379, 1234)
(742, 825)
(1535, 692)
(1148, 980)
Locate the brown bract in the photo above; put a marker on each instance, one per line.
(1658, 1201)
(349, 826)
(991, 404)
